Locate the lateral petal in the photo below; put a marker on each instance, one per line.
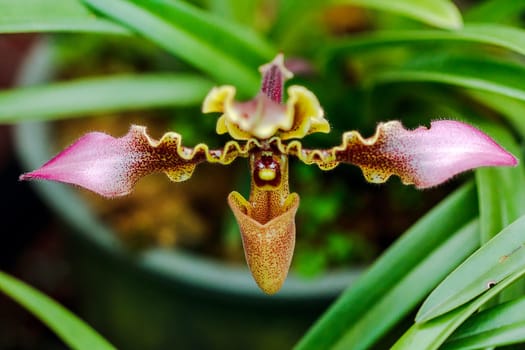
(425, 157)
(111, 166)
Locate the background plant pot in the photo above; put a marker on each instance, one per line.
(160, 298)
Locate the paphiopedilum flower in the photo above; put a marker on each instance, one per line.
(267, 132)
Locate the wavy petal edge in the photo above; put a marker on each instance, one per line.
(111, 166)
(425, 157)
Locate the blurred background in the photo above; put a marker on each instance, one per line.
(31, 247)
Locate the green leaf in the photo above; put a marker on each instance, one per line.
(494, 10)
(432, 334)
(234, 10)
(490, 34)
(501, 257)
(475, 72)
(22, 16)
(72, 330)
(438, 13)
(410, 289)
(501, 191)
(228, 52)
(295, 15)
(417, 243)
(500, 325)
(510, 108)
(66, 99)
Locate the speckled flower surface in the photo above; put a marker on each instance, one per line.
(267, 130)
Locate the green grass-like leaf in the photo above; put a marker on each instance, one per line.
(228, 52)
(77, 98)
(500, 325)
(22, 16)
(493, 263)
(494, 10)
(510, 108)
(501, 191)
(72, 330)
(474, 72)
(510, 38)
(438, 13)
(401, 258)
(411, 289)
(432, 334)
(243, 12)
(294, 16)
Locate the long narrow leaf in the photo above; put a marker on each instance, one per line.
(238, 11)
(394, 264)
(480, 73)
(490, 34)
(494, 11)
(510, 108)
(228, 54)
(222, 33)
(432, 334)
(501, 257)
(500, 325)
(22, 16)
(73, 331)
(501, 193)
(411, 289)
(439, 13)
(76, 98)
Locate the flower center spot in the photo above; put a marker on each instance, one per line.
(267, 172)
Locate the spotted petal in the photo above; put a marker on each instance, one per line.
(111, 166)
(425, 157)
(268, 246)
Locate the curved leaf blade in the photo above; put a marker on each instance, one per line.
(233, 38)
(432, 334)
(502, 336)
(228, 55)
(24, 16)
(411, 289)
(510, 38)
(438, 13)
(500, 190)
(243, 12)
(72, 330)
(494, 10)
(480, 73)
(77, 98)
(493, 263)
(510, 108)
(421, 239)
(500, 325)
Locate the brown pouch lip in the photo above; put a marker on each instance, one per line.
(268, 247)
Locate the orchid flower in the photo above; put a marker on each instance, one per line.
(267, 131)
